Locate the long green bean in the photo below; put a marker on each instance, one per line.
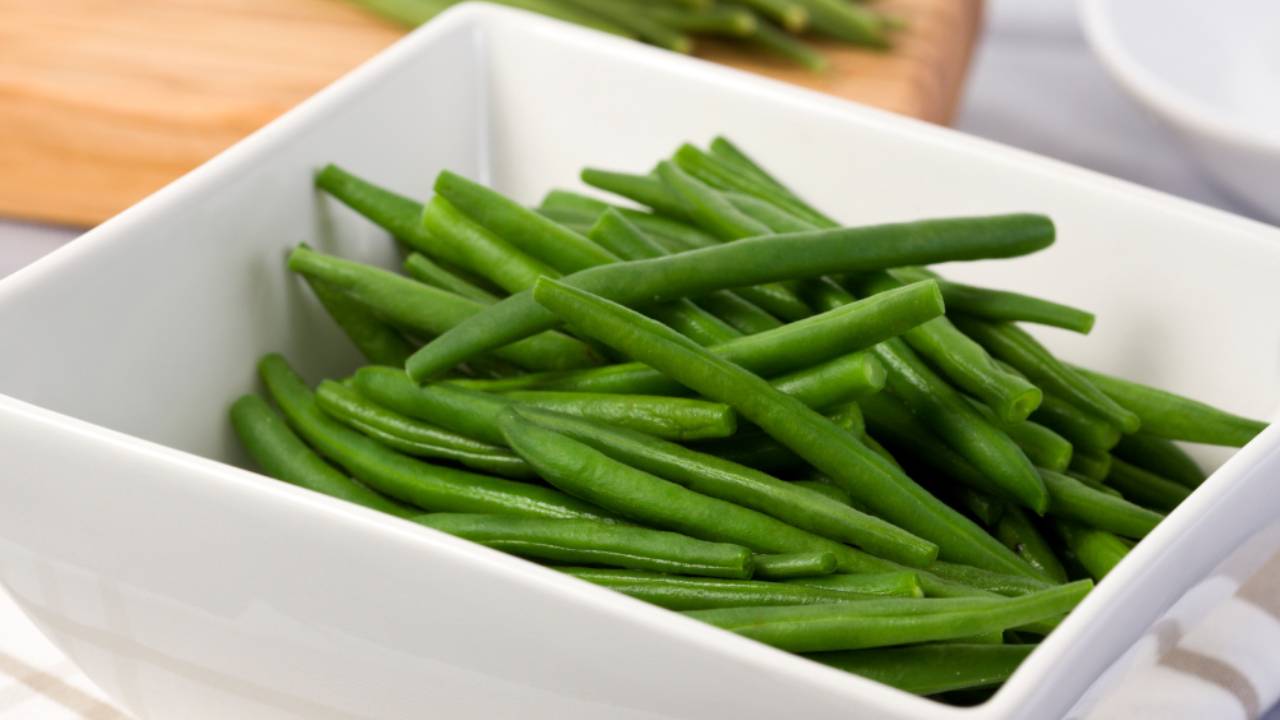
(1146, 488)
(687, 593)
(867, 476)
(1042, 446)
(421, 268)
(885, 584)
(1002, 305)
(1086, 432)
(391, 211)
(741, 263)
(783, 566)
(377, 341)
(931, 668)
(670, 418)
(461, 241)
(284, 456)
(1161, 457)
(1097, 551)
(1016, 530)
(999, 583)
(595, 542)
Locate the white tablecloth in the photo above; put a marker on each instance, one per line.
(1035, 85)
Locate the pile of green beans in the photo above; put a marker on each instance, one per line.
(766, 26)
(725, 404)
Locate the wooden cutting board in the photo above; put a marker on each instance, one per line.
(104, 101)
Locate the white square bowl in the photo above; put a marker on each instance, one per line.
(186, 587)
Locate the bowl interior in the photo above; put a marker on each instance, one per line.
(1220, 57)
(152, 324)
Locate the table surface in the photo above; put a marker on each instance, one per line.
(1034, 85)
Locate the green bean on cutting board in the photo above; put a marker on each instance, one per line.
(688, 403)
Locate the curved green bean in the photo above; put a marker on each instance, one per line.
(1075, 500)
(284, 456)
(884, 584)
(893, 621)
(595, 542)
(414, 437)
(687, 593)
(1146, 488)
(931, 668)
(784, 566)
(867, 476)
(411, 481)
(1161, 457)
(1002, 305)
(422, 309)
(1174, 417)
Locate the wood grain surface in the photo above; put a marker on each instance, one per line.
(104, 101)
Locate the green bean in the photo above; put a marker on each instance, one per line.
(711, 211)
(1002, 305)
(674, 234)
(715, 20)
(867, 476)
(1068, 498)
(643, 189)
(643, 26)
(875, 446)
(669, 418)
(429, 311)
(713, 477)
(594, 542)
(427, 486)
(377, 342)
(1075, 500)
(825, 489)
(893, 621)
(755, 449)
(687, 593)
(931, 668)
(848, 22)
(1086, 432)
(964, 362)
(790, 14)
(782, 566)
(796, 346)
(1016, 531)
(624, 240)
(533, 234)
(1146, 488)
(885, 584)
(283, 456)
(461, 241)
(727, 152)
(987, 509)
(422, 269)
(1161, 457)
(1013, 345)
(396, 214)
(726, 176)
(744, 262)
(414, 437)
(1042, 446)
(1094, 466)
(766, 213)
(999, 583)
(1097, 551)
(835, 381)
(1174, 417)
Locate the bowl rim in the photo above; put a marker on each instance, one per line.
(1164, 97)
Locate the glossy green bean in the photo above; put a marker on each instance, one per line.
(1016, 531)
(784, 566)
(722, 175)
(1086, 432)
(826, 489)
(725, 150)
(414, 437)
(1002, 305)
(669, 418)
(1161, 457)
(999, 583)
(1097, 551)
(282, 455)
(767, 214)
(421, 268)
(595, 542)
(1042, 446)
(461, 241)
(533, 234)
(411, 481)
(931, 668)
(796, 346)
(884, 584)
(1094, 466)
(643, 189)
(1167, 415)
(687, 593)
(894, 621)
(377, 341)
(1014, 346)
(1146, 488)
(396, 214)
(741, 263)
(429, 311)
(964, 362)
(867, 476)
(835, 381)
(1077, 501)
(713, 477)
